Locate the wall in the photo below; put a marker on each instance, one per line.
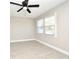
(21, 28)
(61, 41)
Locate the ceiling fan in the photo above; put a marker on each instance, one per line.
(24, 5)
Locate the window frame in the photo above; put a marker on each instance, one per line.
(55, 33)
(49, 25)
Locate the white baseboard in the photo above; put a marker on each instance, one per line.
(14, 41)
(51, 46)
(54, 47)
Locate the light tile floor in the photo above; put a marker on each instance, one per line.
(34, 50)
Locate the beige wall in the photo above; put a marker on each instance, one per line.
(24, 28)
(61, 40)
(21, 28)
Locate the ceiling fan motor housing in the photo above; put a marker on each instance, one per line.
(24, 3)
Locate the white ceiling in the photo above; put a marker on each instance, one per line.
(45, 5)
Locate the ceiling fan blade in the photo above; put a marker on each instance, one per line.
(20, 9)
(28, 10)
(33, 5)
(15, 3)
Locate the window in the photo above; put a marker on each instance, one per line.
(47, 25)
(40, 26)
(50, 24)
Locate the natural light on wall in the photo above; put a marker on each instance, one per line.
(47, 25)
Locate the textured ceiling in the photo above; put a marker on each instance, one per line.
(45, 5)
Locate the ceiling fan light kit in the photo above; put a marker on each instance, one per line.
(24, 5)
(24, 8)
